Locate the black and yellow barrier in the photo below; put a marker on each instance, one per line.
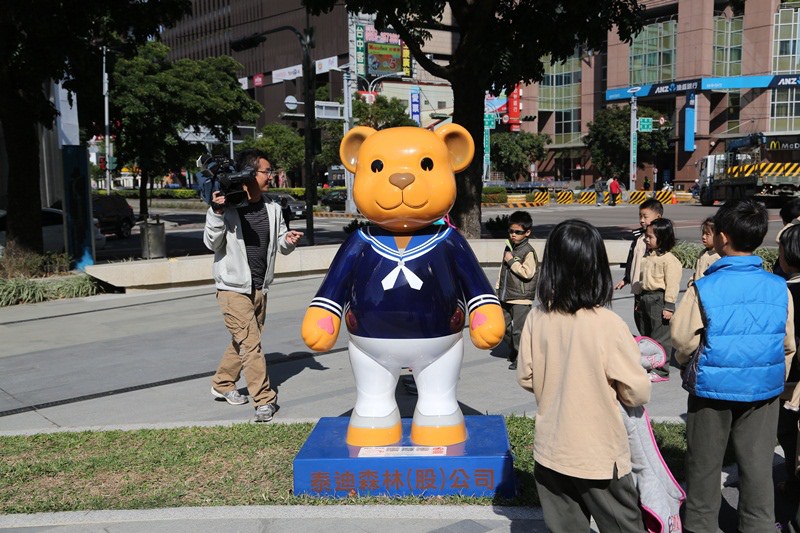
(637, 197)
(665, 197)
(587, 198)
(564, 197)
(541, 197)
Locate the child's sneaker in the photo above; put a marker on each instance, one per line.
(657, 378)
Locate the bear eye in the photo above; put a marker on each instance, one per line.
(426, 163)
(377, 166)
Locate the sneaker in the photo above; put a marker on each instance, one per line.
(657, 378)
(264, 413)
(512, 365)
(232, 397)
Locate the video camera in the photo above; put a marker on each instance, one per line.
(218, 173)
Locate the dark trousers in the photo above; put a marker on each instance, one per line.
(651, 304)
(751, 426)
(569, 502)
(515, 315)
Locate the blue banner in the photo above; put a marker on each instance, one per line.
(689, 123)
(415, 111)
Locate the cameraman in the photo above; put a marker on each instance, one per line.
(245, 241)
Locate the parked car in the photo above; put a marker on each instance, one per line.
(52, 231)
(297, 207)
(335, 200)
(114, 214)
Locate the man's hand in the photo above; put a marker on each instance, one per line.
(666, 315)
(619, 285)
(293, 237)
(507, 257)
(217, 202)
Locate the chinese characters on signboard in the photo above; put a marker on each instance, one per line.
(412, 480)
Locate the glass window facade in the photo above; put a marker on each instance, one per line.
(728, 46)
(652, 56)
(560, 92)
(785, 103)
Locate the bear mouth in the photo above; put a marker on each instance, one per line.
(403, 201)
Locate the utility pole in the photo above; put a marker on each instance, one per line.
(108, 125)
(634, 140)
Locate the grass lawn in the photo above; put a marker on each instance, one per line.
(245, 464)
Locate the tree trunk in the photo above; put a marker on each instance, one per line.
(144, 178)
(24, 218)
(468, 112)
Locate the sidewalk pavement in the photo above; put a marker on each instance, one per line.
(144, 360)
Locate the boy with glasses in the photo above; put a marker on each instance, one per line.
(516, 284)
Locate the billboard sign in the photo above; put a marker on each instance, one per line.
(384, 58)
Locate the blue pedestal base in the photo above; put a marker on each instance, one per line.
(481, 466)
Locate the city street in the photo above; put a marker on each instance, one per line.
(184, 228)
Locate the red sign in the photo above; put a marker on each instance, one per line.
(514, 106)
(258, 80)
(369, 97)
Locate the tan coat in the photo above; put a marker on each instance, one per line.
(636, 264)
(706, 259)
(579, 378)
(662, 272)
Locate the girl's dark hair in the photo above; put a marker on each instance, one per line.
(708, 224)
(665, 235)
(574, 273)
(790, 240)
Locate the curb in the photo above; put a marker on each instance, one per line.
(275, 512)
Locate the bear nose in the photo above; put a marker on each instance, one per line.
(401, 181)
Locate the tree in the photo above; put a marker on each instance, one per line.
(284, 145)
(609, 140)
(514, 152)
(383, 113)
(44, 41)
(158, 98)
(498, 44)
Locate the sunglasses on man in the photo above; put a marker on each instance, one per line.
(517, 231)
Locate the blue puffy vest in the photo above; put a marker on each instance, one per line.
(745, 311)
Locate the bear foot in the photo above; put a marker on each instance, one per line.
(438, 430)
(374, 430)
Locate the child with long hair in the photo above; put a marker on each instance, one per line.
(583, 460)
(660, 279)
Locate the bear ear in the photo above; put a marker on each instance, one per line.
(351, 143)
(459, 144)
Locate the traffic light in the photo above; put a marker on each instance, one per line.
(112, 162)
(101, 162)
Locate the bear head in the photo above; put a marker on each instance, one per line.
(405, 177)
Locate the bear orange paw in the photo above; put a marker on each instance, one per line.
(487, 326)
(320, 329)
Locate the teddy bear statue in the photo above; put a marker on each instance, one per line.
(405, 285)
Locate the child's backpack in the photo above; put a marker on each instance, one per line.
(653, 354)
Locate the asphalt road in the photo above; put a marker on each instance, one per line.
(184, 228)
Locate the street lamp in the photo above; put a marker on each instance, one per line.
(306, 39)
(371, 84)
(634, 146)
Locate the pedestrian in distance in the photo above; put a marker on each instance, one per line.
(583, 459)
(516, 282)
(613, 191)
(660, 281)
(646, 183)
(649, 210)
(599, 187)
(245, 241)
(734, 335)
